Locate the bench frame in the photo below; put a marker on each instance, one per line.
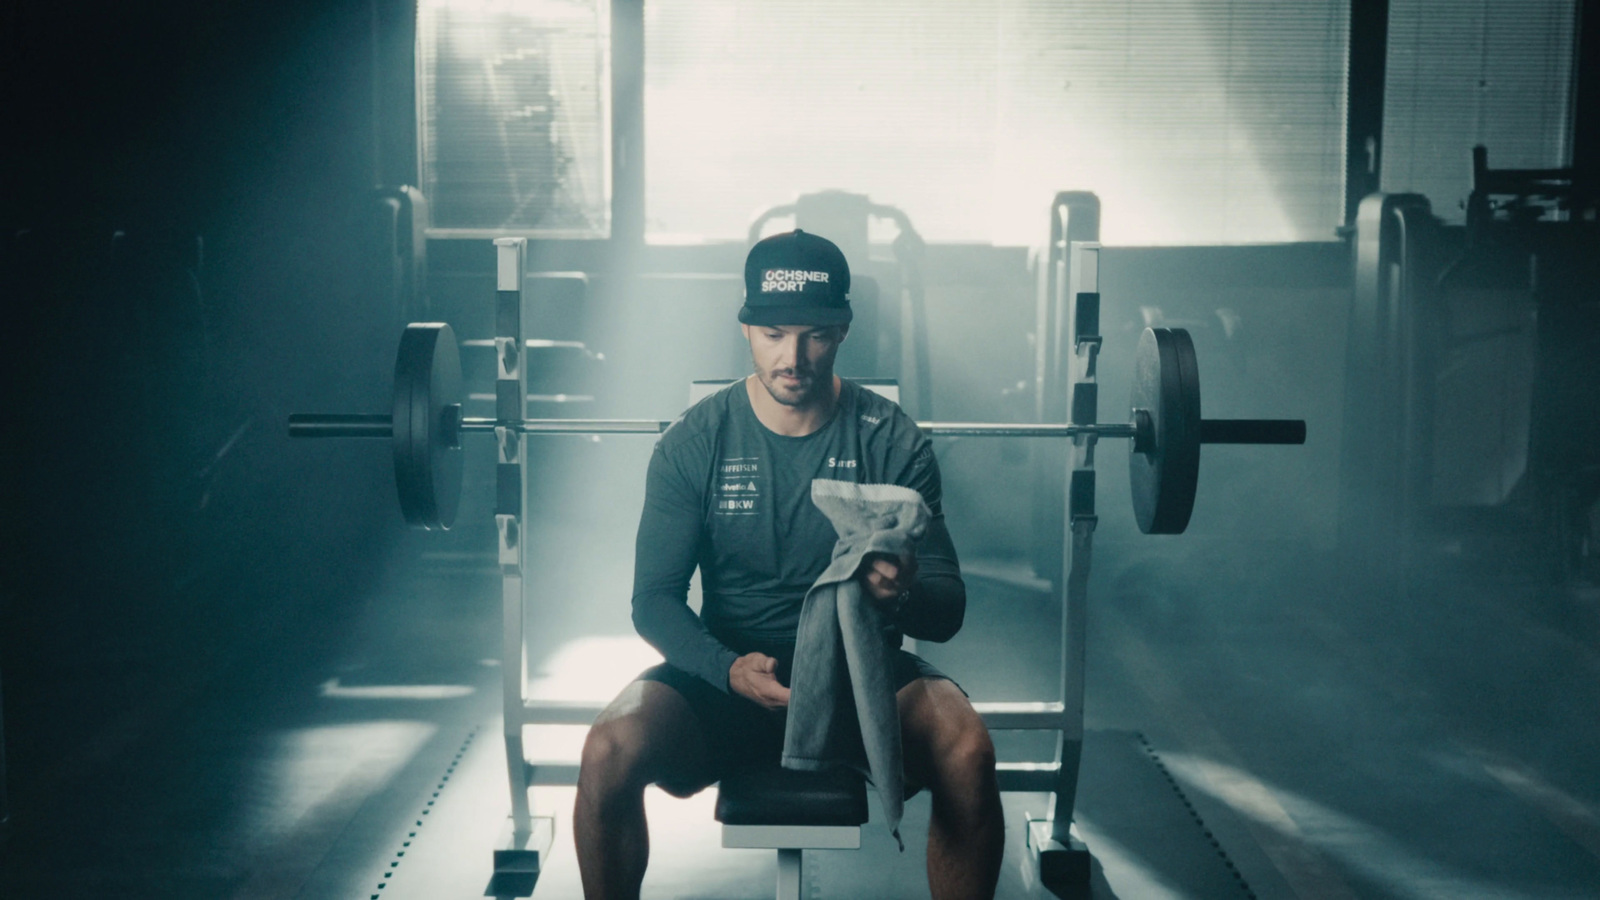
(1060, 859)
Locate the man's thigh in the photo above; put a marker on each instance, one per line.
(695, 732)
(656, 721)
(936, 721)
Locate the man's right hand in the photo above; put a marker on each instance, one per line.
(754, 675)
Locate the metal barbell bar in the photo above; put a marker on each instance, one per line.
(1213, 431)
(1165, 428)
(380, 426)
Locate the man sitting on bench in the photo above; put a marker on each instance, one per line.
(729, 490)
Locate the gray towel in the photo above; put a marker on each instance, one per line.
(842, 707)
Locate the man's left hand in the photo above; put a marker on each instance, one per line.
(887, 577)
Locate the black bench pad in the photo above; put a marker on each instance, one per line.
(771, 795)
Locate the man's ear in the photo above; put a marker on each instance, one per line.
(745, 330)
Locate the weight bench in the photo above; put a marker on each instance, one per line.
(772, 808)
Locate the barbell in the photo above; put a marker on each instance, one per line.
(426, 424)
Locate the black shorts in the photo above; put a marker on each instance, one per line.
(740, 732)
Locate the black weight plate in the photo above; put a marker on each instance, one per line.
(427, 383)
(1166, 382)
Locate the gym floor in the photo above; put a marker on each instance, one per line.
(1255, 732)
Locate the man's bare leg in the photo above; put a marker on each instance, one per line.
(648, 734)
(948, 749)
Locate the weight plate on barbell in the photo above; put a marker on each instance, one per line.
(427, 458)
(1166, 383)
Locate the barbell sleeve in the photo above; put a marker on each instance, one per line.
(1252, 431)
(340, 425)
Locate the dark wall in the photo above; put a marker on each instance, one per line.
(181, 262)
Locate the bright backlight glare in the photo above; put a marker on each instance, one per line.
(592, 668)
(332, 688)
(1196, 121)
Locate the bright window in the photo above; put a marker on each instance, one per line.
(514, 116)
(1494, 72)
(1196, 121)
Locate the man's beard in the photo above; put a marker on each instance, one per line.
(789, 395)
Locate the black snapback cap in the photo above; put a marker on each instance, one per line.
(796, 278)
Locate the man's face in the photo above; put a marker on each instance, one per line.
(794, 362)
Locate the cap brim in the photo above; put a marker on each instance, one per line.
(795, 315)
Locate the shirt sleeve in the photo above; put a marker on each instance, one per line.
(665, 554)
(938, 602)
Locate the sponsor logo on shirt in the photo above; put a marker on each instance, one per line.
(841, 463)
(737, 491)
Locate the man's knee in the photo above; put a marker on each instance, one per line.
(946, 737)
(647, 735)
(967, 760)
(614, 759)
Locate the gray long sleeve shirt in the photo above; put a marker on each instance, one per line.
(726, 494)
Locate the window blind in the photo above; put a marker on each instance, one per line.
(1196, 121)
(514, 116)
(1491, 72)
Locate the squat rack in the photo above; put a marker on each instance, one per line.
(1165, 429)
(525, 841)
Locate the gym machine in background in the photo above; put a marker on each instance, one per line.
(426, 427)
(888, 300)
(1471, 422)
